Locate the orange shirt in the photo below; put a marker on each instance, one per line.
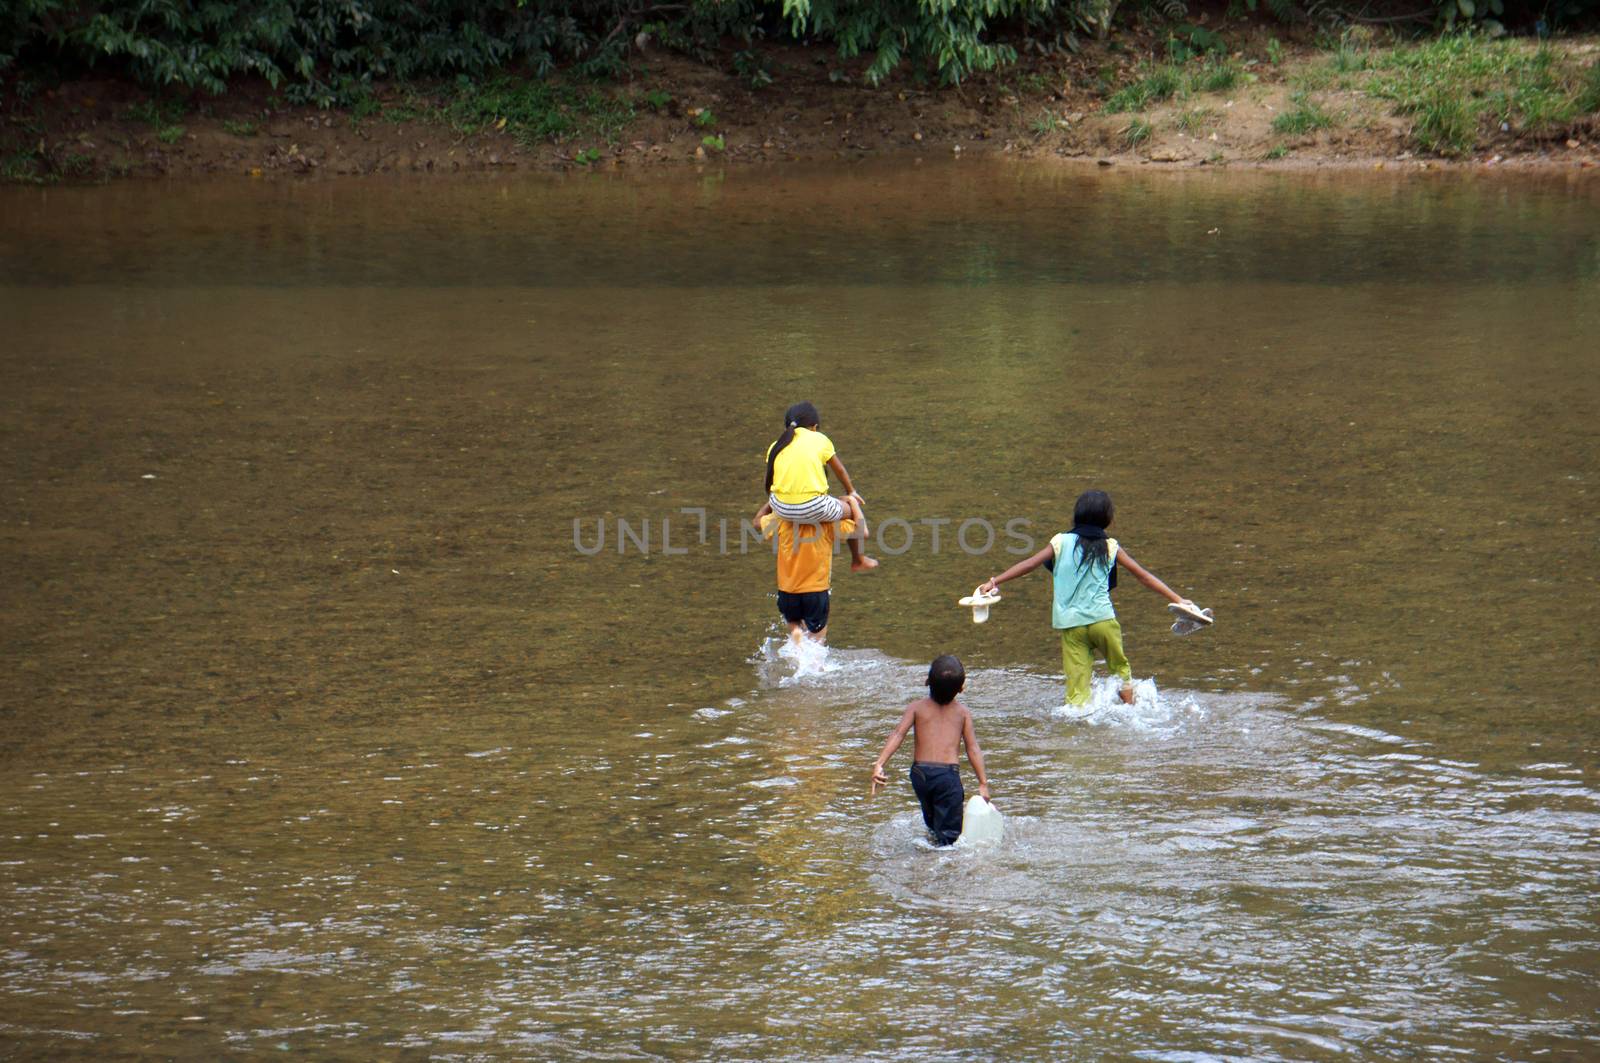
(805, 561)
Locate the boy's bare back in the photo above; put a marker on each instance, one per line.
(941, 729)
(938, 730)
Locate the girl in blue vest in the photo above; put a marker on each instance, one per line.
(1084, 564)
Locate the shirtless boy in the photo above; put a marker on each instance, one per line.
(942, 724)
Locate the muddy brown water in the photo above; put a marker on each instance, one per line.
(323, 733)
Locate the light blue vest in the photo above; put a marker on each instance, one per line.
(1081, 592)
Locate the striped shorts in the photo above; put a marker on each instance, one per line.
(824, 509)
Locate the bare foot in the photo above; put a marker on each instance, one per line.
(863, 564)
(1127, 695)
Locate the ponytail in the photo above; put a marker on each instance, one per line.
(800, 415)
(1091, 516)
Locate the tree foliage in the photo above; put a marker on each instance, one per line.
(323, 51)
(315, 49)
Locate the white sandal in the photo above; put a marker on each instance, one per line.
(979, 603)
(1191, 617)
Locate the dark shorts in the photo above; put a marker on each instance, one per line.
(810, 609)
(938, 788)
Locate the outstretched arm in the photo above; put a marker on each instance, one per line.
(1148, 578)
(975, 756)
(1021, 568)
(901, 729)
(844, 478)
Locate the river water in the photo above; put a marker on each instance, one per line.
(327, 730)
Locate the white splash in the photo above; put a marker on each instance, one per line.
(790, 660)
(1149, 711)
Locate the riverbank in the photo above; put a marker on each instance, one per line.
(1261, 100)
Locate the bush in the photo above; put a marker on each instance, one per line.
(321, 51)
(327, 51)
(945, 37)
(330, 51)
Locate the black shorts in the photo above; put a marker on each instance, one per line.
(810, 609)
(939, 791)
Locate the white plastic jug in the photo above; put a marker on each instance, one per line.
(981, 822)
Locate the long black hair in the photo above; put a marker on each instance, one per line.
(1091, 516)
(800, 415)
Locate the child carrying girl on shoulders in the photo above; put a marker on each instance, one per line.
(1083, 562)
(797, 479)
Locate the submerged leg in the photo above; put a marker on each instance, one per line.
(1107, 638)
(939, 792)
(1077, 661)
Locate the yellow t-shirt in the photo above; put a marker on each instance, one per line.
(801, 471)
(805, 562)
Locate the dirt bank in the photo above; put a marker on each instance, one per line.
(675, 112)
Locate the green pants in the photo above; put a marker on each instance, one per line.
(1080, 645)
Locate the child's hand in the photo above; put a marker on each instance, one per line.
(859, 500)
(989, 588)
(878, 778)
(983, 790)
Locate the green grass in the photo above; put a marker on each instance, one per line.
(1195, 118)
(1047, 122)
(1216, 75)
(1452, 86)
(536, 112)
(21, 167)
(1033, 82)
(1180, 80)
(1589, 90)
(1306, 117)
(161, 115)
(1278, 152)
(532, 111)
(1445, 123)
(240, 127)
(1347, 58)
(1313, 78)
(364, 106)
(1137, 133)
(156, 112)
(1159, 83)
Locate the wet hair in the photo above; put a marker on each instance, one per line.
(1093, 509)
(800, 415)
(946, 677)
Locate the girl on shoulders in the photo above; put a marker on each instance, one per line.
(797, 479)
